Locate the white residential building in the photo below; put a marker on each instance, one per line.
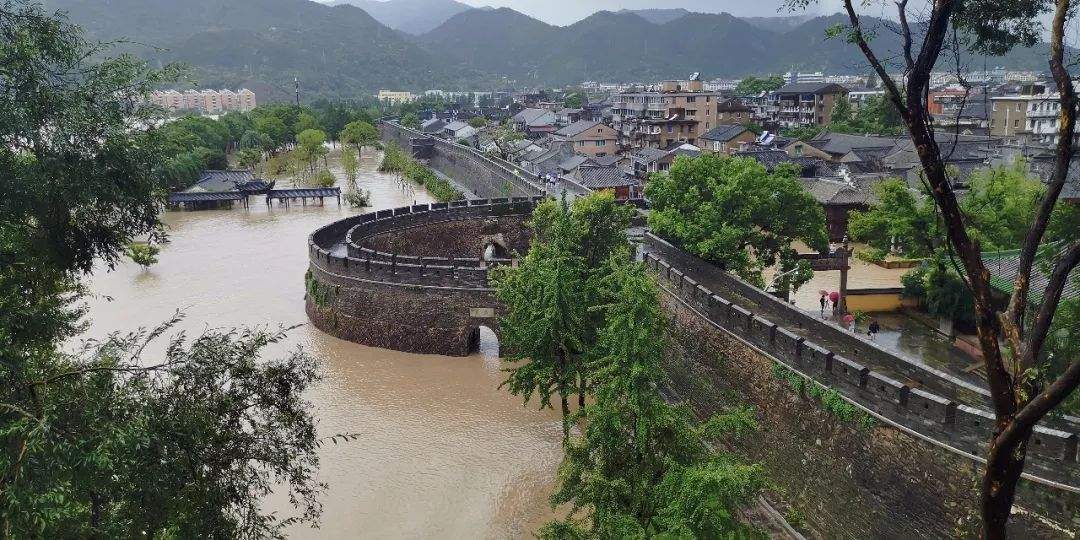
(206, 101)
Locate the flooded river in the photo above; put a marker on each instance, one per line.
(441, 452)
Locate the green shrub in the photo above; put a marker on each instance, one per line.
(142, 254)
(914, 282)
(829, 399)
(872, 255)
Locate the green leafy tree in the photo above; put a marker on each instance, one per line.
(311, 145)
(841, 112)
(306, 121)
(999, 204)
(112, 446)
(899, 220)
(410, 121)
(273, 128)
(599, 226)
(545, 313)
(478, 122)
(249, 158)
(143, 254)
(752, 86)
(101, 444)
(237, 124)
(732, 212)
(803, 133)
(257, 140)
(359, 134)
(877, 116)
(643, 468)
(574, 101)
(350, 164)
(324, 178)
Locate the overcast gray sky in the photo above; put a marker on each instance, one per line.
(563, 12)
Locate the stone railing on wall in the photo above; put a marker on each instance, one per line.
(336, 248)
(1052, 454)
(477, 172)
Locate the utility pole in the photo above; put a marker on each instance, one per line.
(296, 83)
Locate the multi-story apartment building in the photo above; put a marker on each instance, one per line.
(1009, 116)
(590, 138)
(1043, 115)
(245, 100)
(677, 112)
(795, 78)
(395, 97)
(206, 101)
(806, 104)
(732, 111)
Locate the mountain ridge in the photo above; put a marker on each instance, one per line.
(342, 51)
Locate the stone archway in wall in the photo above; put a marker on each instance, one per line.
(494, 247)
(483, 318)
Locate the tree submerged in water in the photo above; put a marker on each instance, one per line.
(143, 254)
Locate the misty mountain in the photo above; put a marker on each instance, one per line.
(627, 47)
(657, 16)
(342, 51)
(409, 16)
(781, 23)
(264, 44)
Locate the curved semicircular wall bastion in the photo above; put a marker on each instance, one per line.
(411, 279)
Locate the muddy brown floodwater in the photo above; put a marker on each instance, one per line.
(441, 453)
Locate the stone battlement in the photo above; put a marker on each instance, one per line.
(480, 174)
(952, 422)
(338, 247)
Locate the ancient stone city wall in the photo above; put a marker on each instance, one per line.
(469, 167)
(910, 472)
(410, 302)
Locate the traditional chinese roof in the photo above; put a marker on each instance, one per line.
(218, 180)
(204, 196)
(594, 177)
(577, 128)
(724, 132)
(1003, 266)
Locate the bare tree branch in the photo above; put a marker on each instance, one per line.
(1035, 337)
(1063, 154)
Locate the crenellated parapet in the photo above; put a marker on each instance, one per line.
(410, 302)
(469, 167)
(938, 407)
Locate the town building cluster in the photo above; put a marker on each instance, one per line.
(621, 134)
(204, 101)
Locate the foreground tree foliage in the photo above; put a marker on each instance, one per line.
(876, 116)
(546, 310)
(643, 468)
(732, 212)
(184, 444)
(553, 295)
(108, 443)
(1012, 338)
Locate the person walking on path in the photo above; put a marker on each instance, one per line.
(873, 329)
(849, 322)
(834, 299)
(824, 301)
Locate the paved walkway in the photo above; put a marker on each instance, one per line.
(862, 351)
